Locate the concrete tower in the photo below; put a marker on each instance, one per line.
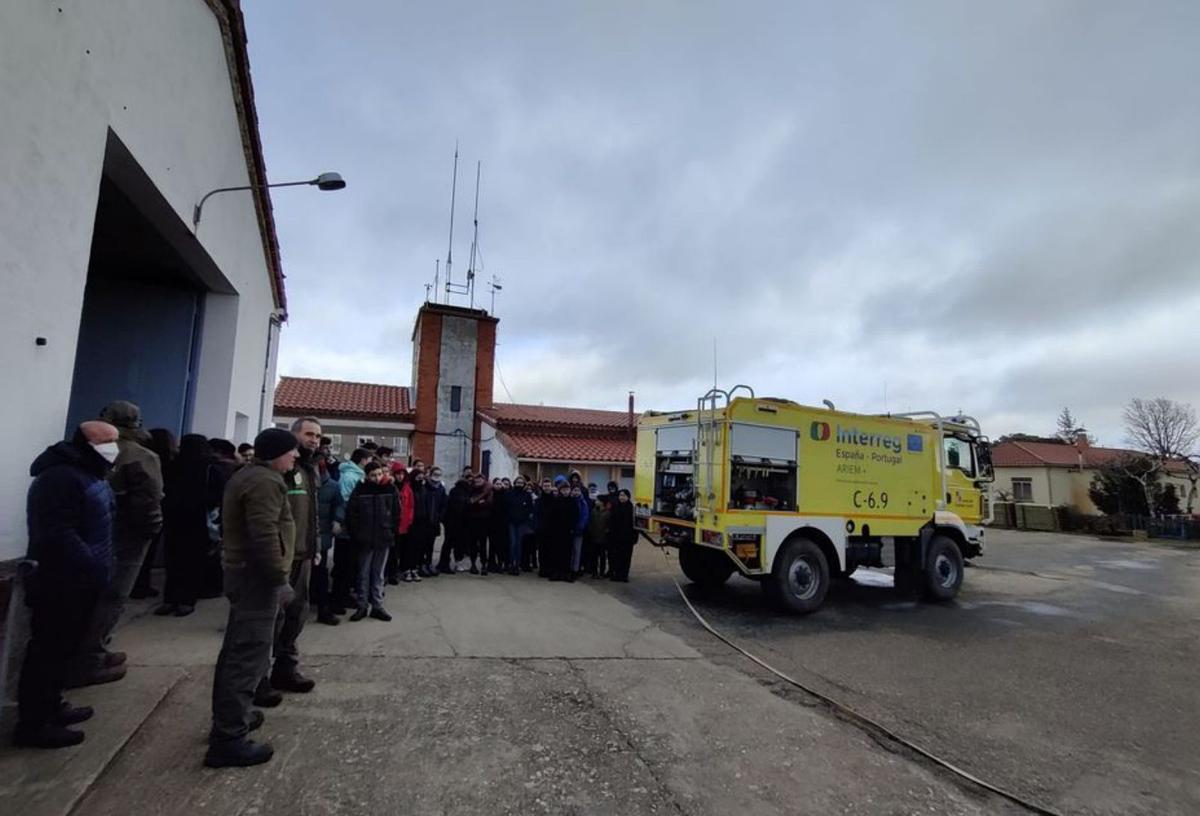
(454, 354)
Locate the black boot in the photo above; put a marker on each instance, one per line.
(237, 754)
(325, 615)
(292, 681)
(72, 715)
(265, 696)
(46, 736)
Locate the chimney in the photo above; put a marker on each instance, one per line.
(631, 422)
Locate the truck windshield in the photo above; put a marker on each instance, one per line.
(959, 456)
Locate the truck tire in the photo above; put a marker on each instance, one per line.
(800, 578)
(707, 569)
(943, 569)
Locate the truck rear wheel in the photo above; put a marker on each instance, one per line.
(943, 569)
(705, 568)
(800, 579)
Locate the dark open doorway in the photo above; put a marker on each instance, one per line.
(142, 317)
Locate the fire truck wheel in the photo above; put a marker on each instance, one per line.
(943, 569)
(800, 579)
(705, 568)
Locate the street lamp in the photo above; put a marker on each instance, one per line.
(325, 181)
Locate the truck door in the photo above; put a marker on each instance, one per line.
(962, 496)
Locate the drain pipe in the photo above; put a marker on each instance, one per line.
(274, 322)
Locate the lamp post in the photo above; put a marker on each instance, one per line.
(325, 181)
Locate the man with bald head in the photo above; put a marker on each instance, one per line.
(70, 518)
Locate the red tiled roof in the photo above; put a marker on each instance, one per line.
(1049, 454)
(327, 398)
(558, 448)
(508, 413)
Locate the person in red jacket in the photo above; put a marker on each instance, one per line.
(401, 565)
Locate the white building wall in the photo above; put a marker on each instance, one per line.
(156, 73)
(503, 461)
(456, 367)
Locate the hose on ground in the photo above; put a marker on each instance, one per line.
(863, 719)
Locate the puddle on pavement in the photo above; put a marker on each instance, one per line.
(872, 577)
(1129, 564)
(1032, 607)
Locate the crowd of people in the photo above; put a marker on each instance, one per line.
(272, 526)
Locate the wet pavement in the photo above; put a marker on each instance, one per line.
(1065, 671)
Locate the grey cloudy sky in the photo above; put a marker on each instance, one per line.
(986, 207)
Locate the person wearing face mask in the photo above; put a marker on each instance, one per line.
(70, 524)
(258, 548)
(137, 485)
(436, 498)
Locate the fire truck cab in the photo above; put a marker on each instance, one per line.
(794, 496)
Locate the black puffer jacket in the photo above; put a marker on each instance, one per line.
(372, 514)
(70, 515)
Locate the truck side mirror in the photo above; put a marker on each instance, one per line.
(984, 455)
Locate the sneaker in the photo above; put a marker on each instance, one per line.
(379, 613)
(408, 576)
(359, 614)
(46, 736)
(237, 754)
(292, 681)
(165, 609)
(416, 576)
(183, 610)
(96, 677)
(72, 715)
(265, 696)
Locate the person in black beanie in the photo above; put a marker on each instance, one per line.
(259, 542)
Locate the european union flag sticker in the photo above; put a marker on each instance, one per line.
(916, 443)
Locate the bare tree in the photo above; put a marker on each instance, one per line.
(1165, 429)
(1161, 427)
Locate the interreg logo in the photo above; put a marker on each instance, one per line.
(867, 439)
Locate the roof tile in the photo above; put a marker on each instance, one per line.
(305, 395)
(560, 448)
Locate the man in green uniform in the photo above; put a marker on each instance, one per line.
(302, 481)
(258, 550)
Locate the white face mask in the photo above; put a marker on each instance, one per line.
(109, 450)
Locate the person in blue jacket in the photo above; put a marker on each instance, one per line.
(70, 514)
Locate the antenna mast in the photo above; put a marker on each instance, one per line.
(474, 240)
(450, 245)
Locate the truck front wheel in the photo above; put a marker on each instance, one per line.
(705, 568)
(800, 579)
(943, 569)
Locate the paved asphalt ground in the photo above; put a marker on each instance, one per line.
(1065, 672)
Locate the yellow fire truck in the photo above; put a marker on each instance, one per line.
(794, 496)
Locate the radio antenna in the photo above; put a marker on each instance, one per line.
(450, 244)
(474, 240)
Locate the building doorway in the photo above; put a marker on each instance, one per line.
(142, 316)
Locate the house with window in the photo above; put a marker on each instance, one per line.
(351, 413)
(1050, 473)
(540, 441)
